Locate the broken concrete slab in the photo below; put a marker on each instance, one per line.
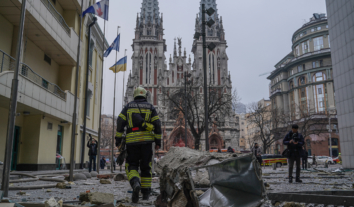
(10, 205)
(61, 185)
(104, 181)
(120, 177)
(51, 203)
(101, 198)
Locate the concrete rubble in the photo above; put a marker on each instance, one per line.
(175, 184)
(51, 203)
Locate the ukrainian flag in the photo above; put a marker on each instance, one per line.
(121, 65)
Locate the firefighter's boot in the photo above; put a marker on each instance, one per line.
(136, 191)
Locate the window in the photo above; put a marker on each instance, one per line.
(47, 59)
(297, 52)
(327, 26)
(242, 129)
(88, 102)
(302, 80)
(320, 98)
(291, 84)
(44, 83)
(317, 64)
(50, 126)
(305, 47)
(319, 77)
(318, 43)
(320, 91)
(299, 68)
(91, 52)
(301, 34)
(148, 68)
(312, 30)
(334, 142)
(242, 123)
(319, 28)
(308, 143)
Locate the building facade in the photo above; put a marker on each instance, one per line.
(47, 80)
(341, 24)
(302, 83)
(150, 71)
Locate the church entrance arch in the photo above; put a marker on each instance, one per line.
(216, 142)
(177, 138)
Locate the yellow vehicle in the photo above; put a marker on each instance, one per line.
(279, 160)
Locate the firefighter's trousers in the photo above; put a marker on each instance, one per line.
(139, 155)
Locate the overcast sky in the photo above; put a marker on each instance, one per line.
(258, 34)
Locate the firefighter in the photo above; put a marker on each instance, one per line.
(143, 127)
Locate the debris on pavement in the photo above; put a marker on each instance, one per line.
(104, 181)
(120, 177)
(51, 203)
(97, 198)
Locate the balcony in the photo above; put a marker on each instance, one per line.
(35, 93)
(327, 50)
(278, 90)
(45, 27)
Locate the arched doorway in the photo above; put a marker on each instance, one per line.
(216, 142)
(177, 139)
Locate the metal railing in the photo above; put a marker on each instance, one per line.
(8, 64)
(60, 19)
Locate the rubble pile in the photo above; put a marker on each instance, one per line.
(175, 185)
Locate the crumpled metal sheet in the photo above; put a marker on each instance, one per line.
(234, 182)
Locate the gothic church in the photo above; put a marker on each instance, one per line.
(151, 71)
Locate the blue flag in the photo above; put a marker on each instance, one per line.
(100, 9)
(114, 46)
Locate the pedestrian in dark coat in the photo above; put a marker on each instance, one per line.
(256, 150)
(229, 149)
(305, 156)
(92, 145)
(294, 141)
(103, 162)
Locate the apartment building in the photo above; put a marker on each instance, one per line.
(47, 80)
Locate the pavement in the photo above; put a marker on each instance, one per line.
(120, 190)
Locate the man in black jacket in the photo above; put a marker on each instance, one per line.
(92, 153)
(305, 156)
(294, 141)
(143, 127)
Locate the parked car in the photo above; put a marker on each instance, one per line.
(321, 160)
(278, 159)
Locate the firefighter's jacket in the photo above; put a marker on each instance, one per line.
(136, 118)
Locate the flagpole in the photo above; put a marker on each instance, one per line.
(100, 120)
(125, 53)
(114, 105)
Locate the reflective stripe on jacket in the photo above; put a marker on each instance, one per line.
(133, 116)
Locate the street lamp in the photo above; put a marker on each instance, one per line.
(210, 23)
(186, 75)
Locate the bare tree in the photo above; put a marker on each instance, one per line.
(220, 102)
(269, 124)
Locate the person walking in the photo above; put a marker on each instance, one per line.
(103, 162)
(256, 150)
(92, 145)
(229, 149)
(314, 162)
(294, 141)
(305, 156)
(143, 127)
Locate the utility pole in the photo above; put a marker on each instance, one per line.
(73, 128)
(185, 107)
(13, 106)
(94, 19)
(206, 108)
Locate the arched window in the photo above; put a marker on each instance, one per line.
(210, 32)
(291, 84)
(302, 80)
(308, 143)
(211, 68)
(320, 76)
(214, 143)
(148, 68)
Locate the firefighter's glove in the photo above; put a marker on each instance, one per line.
(148, 127)
(118, 141)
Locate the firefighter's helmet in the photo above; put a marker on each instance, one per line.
(140, 91)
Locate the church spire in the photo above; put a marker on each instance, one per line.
(175, 49)
(208, 4)
(137, 21)
(150, 8)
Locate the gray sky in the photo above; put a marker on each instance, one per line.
(258, 33)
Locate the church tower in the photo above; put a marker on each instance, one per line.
(148, 51)
(217, 67)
